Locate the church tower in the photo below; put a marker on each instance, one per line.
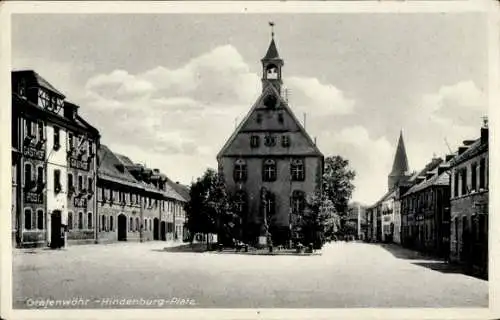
(271, 67)
(270, 164)
(400, 169)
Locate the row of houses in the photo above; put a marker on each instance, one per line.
(440, 210)
(69, 188)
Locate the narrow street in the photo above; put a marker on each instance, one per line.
(346, 275)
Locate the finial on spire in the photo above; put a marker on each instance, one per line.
(271, 24)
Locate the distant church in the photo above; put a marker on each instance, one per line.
(270, 163)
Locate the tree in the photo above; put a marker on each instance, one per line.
(200, 215)
(210, 209)
(337, 184)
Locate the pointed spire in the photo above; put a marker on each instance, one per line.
(272, 51)
(400, 164)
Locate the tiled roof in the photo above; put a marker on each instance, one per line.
(474, 149)
(180, 190)
(437, 180)
(108, 163)
(37, 79)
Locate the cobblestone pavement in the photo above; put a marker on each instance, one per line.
(344, 275)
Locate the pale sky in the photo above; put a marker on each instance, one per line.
(166, 89)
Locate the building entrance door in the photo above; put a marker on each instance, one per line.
(122, 227)
(57, 232)
(163, 231)
(155, 229)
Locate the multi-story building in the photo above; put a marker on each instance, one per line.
(270, 162)
(469, 203)
(426, 209)
(135, 203)
(41, 119)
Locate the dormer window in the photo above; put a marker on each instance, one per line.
(254, 141)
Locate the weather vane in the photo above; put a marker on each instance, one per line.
(272, 28)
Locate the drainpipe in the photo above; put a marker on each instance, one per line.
(141, 214)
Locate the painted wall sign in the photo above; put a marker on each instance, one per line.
(32, 152)
(33, 197)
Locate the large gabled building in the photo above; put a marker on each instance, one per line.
(51, 144)
(270, 162)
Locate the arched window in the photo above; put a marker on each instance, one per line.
(269, 170)
(103, 223)
(70, 220)
(150, 226)
(80, 220)
(111, 223)
(297, 170)
(89, 220)
(39, 219)
(136, 224)
(27, 219)
(272, 72)
(131, 224)
(298, 202)
(240, 170)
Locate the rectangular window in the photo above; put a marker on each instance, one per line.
(57, 138)
(455, 184)
(91, 148)
(474, 177)
(70, 182)
(40, 177)
(89, 220)
(482, 174)
(41, 133)
(80, 220)
(27, 219)
(57, 181)
(27, 175)
(70, 141)
(464, 181)
(80, 183)
(29, 128)
(39, 219)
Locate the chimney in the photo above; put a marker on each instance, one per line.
(484, 135)
(449, 157)
(462, 149)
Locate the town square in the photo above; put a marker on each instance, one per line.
(250, 161)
